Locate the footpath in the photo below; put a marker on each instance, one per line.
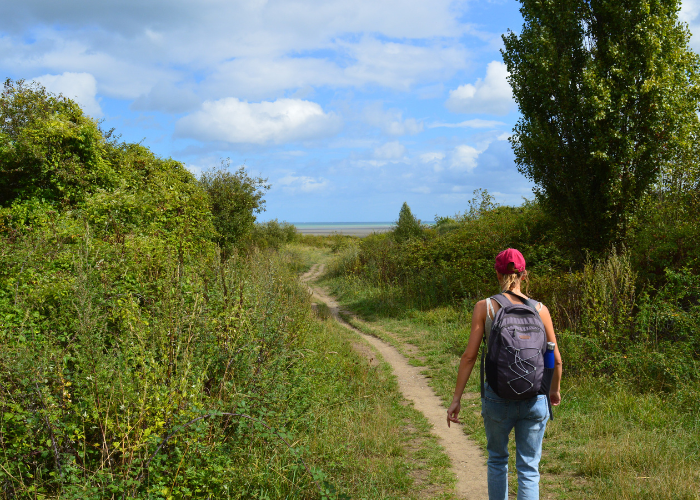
(468, 461)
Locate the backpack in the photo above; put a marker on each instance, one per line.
(514, 352)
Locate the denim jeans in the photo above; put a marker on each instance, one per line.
(529, 419)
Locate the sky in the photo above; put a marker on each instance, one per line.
(348, 108)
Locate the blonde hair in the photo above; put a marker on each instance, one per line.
(510, 281)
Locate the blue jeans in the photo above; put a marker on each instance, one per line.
(529, 418)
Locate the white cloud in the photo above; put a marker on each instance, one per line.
(503, 137)
(304, 184)
(432, 157)
(401, 65)
(491, 95)
(355, 63)
(476, 123)
(281, 121)
(251, 49)
(391, 122)
(81, 87)
(464, 158)
(421, 190)
(390, 151)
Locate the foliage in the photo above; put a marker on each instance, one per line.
(667, 228)
(137, 362)
(608, 301)
(448, 266)
(272, 234)
(48, 148)
(608, 92)
(407, 226)
(235, 199)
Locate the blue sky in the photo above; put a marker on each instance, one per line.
(349, 108)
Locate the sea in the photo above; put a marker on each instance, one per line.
(349, 228)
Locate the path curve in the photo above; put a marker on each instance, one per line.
(468, 462)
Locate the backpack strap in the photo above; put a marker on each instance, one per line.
(532, 304)
(489, 309)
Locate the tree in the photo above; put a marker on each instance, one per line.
(48, 148)
(235, 198)
(608, 92)
(407, 227)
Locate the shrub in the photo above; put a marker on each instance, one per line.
(272, 234)
(235, 198)
(608, 301)
(48, 148)
(407, 226)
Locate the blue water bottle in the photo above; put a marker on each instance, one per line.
(549, 356)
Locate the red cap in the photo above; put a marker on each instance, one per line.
(511, 255)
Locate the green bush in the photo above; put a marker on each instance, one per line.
(48, 148)
(272, 234)
(608, 301)
(235, 198)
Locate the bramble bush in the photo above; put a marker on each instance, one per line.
(135, 360)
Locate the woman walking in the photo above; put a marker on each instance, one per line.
(527, 416)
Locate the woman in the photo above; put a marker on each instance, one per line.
(528, 417)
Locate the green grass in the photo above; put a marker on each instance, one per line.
(608, 440)
(365, 436)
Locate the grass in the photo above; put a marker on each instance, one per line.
(369, 441)
(608, 440)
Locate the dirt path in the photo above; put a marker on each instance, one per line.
(468, 462)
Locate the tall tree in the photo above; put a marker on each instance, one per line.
(407, 227)
(608, 92)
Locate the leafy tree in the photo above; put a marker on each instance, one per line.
(48, 148)
(608, 92)
(235, 198)
(407, 227)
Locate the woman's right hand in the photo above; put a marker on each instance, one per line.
(555, 398)
(453, 413)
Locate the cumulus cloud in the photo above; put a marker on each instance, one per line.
(304, 184)
(464, 158)
(390, 151)
(491, 95)
(391, 122)
(282, 121)
(81, 87)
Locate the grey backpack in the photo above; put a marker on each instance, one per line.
(514, 363)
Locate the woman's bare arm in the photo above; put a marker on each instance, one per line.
(466, 364)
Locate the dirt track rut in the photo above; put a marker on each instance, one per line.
(468, 462)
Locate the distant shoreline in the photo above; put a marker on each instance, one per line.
(346, 228)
